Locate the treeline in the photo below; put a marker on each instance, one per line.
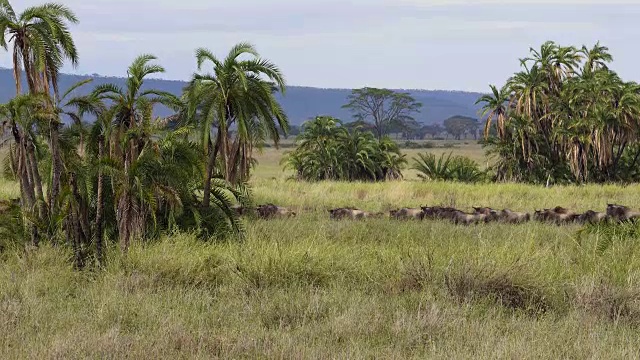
(373, 111)
(127, 175)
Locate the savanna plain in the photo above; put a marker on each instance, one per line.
(309, 287)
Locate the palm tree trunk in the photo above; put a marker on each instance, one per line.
(211, 163)
(100, 205)
(123, 216)
(224, 152)
(247, 152)
(79, 221)
(233, 161)
(26, 190)
(124, 204)
(17, 73)
(56, 167)
(37, 181)
(28, 70)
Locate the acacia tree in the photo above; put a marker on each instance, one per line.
(460, 125)
(383, 107)
(237, 93)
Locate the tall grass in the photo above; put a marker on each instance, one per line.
(309, 287)
(322, 289)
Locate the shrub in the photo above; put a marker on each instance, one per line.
(328, 151)
(447, 168)
(416, 145)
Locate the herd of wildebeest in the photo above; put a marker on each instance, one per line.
(557, 215)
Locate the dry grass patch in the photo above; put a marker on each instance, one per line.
(509, 288)
(604, 300)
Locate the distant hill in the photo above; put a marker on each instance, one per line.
(300, 103)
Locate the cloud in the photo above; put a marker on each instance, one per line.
(395, 43)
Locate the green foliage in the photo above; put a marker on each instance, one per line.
(326, 150)
(566, 117)
(458, 126)
(447, 168)
(11, 225)
(238, 93)
(384, 108)
(608, 233)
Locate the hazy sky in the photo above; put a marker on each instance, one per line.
(427, 44)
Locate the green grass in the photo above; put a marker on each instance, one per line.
(312, 288)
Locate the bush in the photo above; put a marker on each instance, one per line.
(328, 151)
(415, 145)
(447, 168)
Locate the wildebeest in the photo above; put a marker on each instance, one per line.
(483, 210)
(459, 217)
(6, 205)
(513, 217)
(437, 212)
(557, 215)
(238, 209)
(621, 213)
(351, 213)
(592, 217)
(269, 211)
(407, 214)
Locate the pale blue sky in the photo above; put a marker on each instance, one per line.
(426, 44)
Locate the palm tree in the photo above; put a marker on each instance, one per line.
(495, 107)
(41, 41)
(21, 113)
(596, 58)
(236, 94)
(131, 111)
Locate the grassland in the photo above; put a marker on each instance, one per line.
(312, 288)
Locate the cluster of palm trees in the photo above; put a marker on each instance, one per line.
(327, 150)
(566, 117)
(116, 171)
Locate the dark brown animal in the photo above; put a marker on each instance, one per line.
(6, 205)
(437, 212)
(352, 213)
(592, 217)
(238, 209)
(407, 214)
(270, 211)
(557, 215)
(512, 217)
(621, 213)
(459, 217)
(483, 210)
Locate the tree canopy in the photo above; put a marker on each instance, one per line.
(565, 117)
(382, 107)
